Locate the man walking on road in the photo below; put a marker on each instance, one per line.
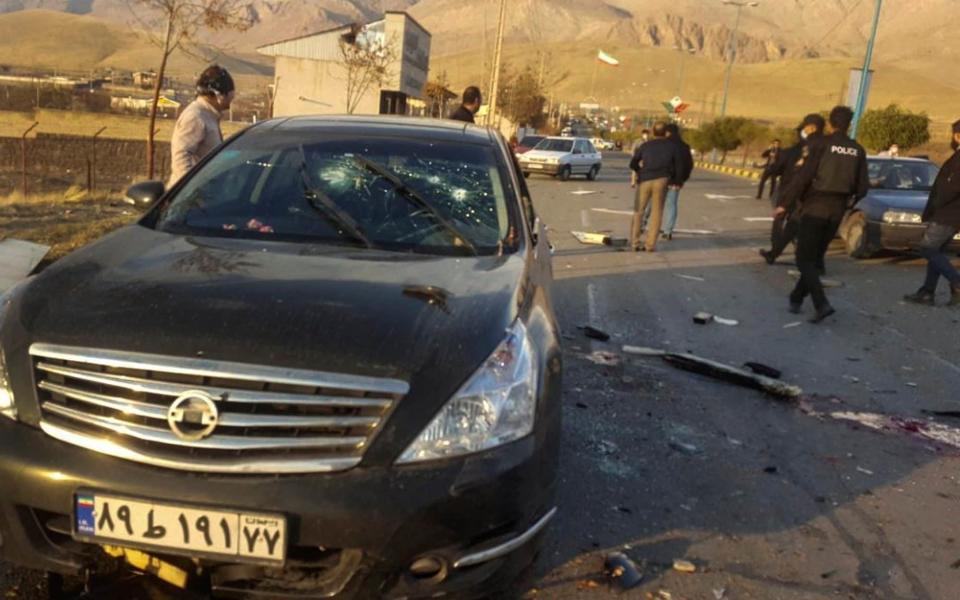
(654, 164)
(786, 222)
(470, 105)
(197, 130)
(942, 217)
(770, 157)
(684, 170)
(834, 173)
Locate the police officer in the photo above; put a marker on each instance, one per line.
(834, 173)
(785, 220)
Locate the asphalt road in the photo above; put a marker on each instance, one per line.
(769, 499)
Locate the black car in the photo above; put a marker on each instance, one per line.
(325, 363)
(890, 216)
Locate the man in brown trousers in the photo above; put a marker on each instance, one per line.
(654, 164)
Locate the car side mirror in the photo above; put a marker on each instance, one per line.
(145, 193)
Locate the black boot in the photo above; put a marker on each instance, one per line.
(954, 296)
(925, 297)
(768, 256)
(822, 313)
(796, 307)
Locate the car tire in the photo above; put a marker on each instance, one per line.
(592, 174)
(856, 238)
(565, 173)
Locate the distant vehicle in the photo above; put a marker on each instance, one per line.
(562, 157)
(889, 217)
(602, 144)
(567, 132)
(528, 142)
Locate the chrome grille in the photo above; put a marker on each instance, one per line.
(268, 419)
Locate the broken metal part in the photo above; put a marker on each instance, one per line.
(622, 570)
(598, 239)
(594, 333)
(702, 318)
(765, 370)
(703, 366)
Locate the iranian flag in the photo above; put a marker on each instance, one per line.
(607, 59)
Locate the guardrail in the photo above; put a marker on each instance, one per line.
(737, 171)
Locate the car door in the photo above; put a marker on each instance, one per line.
(579, 160)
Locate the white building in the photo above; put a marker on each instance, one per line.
(311, 78)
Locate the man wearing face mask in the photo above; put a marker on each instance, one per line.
(785, 220)
(197, 131)
(942, 216)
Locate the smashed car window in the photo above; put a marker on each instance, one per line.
(902, 175)
(385, 192)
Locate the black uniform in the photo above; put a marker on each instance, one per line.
(786, 224)
(834, 173)
(462, 114)
(771, 155)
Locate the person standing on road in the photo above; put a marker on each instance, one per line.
(833, 174)
(942, 216)
(684, 170)
(785, 218)
(197, 130)
(654, 164)
(770, 157)
(469, 106)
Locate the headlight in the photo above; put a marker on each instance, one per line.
(553, 161)
(496, 406)
(7, 408)
(892, 216)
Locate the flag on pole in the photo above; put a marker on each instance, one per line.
(607, 59)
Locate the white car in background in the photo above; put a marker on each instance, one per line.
(562, 157)
(602, 144)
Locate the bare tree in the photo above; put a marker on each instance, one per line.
(181, 21)
(367, 59)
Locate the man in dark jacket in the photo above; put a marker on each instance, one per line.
(942, 216)
(654, 164)
(470, 105)
(834, 173)
(685, 169)
(785, 220)
(770, 157)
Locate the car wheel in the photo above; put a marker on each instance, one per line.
(592, 175)
(858, 246)
(565, 173)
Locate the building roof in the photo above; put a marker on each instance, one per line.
(313, 45)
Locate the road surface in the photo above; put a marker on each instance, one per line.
(768, 499)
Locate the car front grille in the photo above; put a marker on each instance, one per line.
(250, 419)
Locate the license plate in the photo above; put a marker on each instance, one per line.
(535, 166)
(182, 529)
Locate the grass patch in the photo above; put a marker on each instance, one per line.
(64, 238)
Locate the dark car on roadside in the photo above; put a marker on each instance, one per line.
(324, 364)
(889, 217)
(528, 143)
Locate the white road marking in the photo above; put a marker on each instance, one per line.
(583, 192)
(690, 277)
(758, 219)
(592, 304)
(694, 231)
(613, 211)
(794, 324)
(723, 197)
(585, 218)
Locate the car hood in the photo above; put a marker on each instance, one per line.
(320, 307)
(545, 154)
(912, 201)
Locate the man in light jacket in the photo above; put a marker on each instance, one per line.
(197, 131)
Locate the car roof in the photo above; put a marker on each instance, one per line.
(567, 137)
(898, 158)
(385, 125)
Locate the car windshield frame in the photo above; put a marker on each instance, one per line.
(504, 207)
(893, 175)
(546, 143)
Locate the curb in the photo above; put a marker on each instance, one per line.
(747, 173)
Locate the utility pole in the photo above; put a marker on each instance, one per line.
(683, 55)
(496, 63)
(865, 73)
(732, 50)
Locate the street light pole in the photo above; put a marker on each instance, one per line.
(732, 50)
(494, 91)
(865, 73)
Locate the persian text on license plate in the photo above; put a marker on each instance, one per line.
(181, 529)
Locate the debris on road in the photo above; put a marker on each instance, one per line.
(719, 593)
(771, 470)
(604, 358)
(928, 430)
(704, 366)
(622, 571)
(598, 239)
(684, 566)
(826, 282)
(684, 447)
(794, 324)
(727, 322)
(594, 333)
(911, 384)
(689, 277)
(765, 370)
(943, 413)
(865, 471)
(702, 318)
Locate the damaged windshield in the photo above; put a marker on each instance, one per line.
(390, 193)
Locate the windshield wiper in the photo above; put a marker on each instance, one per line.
(324, 205)
(413, 197)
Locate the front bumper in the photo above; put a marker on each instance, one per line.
(542, 168)
(899, 236)
(351, 534)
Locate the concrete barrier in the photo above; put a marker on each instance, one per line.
(736, 171)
